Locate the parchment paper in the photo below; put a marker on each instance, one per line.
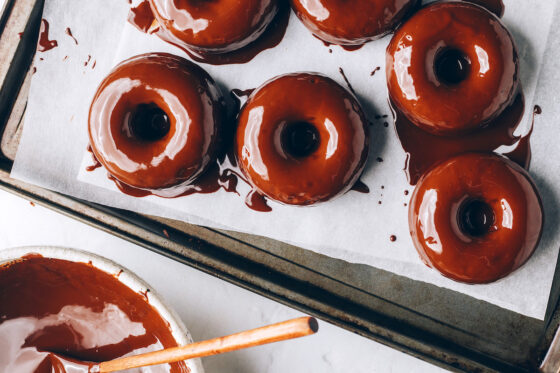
(354, 227)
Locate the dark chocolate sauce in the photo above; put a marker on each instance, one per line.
(44, 43)
(522, 152)
(61, 316)
(271, 37)
(69, 33)
(425, 150)
(141, 16)
(360, 187)
(495, 6)
(256, 201)
(88, 60)
(375, 70)
(96, 164)
(224, 174)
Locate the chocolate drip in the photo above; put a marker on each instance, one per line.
(69, 33)
(96, 164)
(522, 152)
(141, 16)
(44, 43)
(425, 150)
(257, 201)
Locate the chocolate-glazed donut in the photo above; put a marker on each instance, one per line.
(301, 139)
(214, 26)
(154, 123)
(452, 67)
(476, 217)
(351, 23)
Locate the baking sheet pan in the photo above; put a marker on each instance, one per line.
(439, 325)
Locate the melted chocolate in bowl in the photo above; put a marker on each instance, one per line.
(55, 313)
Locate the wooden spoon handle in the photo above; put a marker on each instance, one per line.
(294, 328)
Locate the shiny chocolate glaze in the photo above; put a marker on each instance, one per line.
(351, 23)
(154, 123)
(476, 217)
(55, 315)
(452, 68)
(425, 149)
(215, 26)
(302, 139)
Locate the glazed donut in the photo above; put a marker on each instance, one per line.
(214, 26)
(154, 123)
(339, 22)
(301, 139)
(476, 217)
(452, 67)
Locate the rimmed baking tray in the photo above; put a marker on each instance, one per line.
(442, 326)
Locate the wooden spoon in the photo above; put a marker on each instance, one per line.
(290, 329)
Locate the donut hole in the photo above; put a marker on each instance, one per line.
(452, 66)
(300, 139)
(476, 218)
(149, 122)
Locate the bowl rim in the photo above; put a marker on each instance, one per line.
(178, 329)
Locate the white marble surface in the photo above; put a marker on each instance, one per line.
(208, 306)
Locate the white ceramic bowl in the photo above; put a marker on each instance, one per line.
(136, 284)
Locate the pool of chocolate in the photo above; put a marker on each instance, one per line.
(55, 314)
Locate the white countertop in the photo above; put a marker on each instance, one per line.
(208, 306)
